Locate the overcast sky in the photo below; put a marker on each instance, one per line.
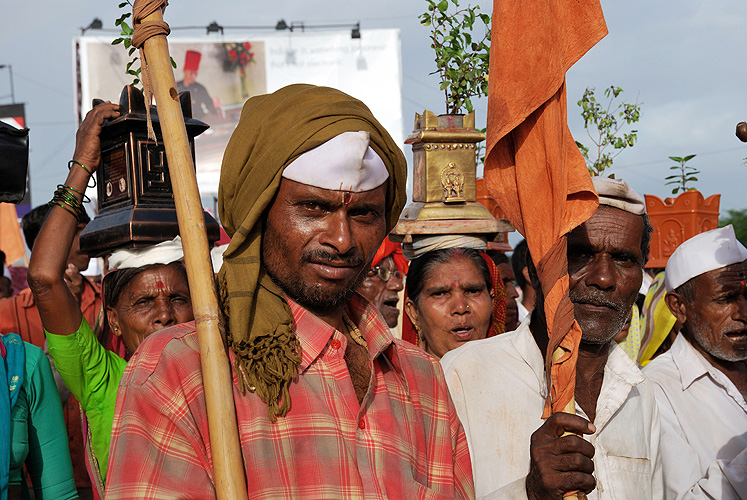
(684, 60)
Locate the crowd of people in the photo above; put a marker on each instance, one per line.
(330, 402)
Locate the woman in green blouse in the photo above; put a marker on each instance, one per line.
(148, 291)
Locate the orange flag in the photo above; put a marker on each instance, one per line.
(11, 239)
(533, 167)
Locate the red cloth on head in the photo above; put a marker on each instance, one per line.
(192, 60)
(498, 292)
(387, 248)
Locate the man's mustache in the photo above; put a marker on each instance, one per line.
(323, 256)
(597, 299)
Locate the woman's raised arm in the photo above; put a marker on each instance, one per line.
(58, 307)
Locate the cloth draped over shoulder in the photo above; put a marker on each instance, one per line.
(533, 168)
(273, 130)
(11, 379)
(657, 320)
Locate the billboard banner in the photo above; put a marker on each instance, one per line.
(221, 73)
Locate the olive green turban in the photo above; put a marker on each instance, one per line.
(275, 129)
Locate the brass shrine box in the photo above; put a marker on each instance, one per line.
(444, 189)
(135, 199)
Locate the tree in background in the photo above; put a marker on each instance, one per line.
(603, 124)
(738, 218)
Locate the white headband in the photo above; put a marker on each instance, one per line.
(162, 253)
(422, 244)
(344, 163)
(703, 252)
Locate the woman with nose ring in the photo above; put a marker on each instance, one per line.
(454, 295)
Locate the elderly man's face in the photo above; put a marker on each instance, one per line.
(717, 318)
(605, 269)
(318, 243)
(384, 294)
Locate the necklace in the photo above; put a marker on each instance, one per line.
(354, 331)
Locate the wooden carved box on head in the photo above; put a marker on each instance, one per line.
(135, 200)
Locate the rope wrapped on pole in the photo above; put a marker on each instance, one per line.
(158, 78)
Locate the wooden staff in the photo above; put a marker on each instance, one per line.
(228, 464)
(569, 408)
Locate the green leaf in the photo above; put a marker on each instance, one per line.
(117, 40)
(173, 63)
(443, 5)
(688, 158)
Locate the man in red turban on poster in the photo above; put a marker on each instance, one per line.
(202, 104)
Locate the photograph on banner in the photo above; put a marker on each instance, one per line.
(221, 73)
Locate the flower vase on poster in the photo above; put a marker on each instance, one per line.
(240, 55)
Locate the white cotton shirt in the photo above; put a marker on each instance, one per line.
(523, 311)
(703, 424)
(499, 389)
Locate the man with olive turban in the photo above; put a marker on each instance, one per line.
(329, 405)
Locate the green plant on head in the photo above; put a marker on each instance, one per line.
(686, 174)
(603, 124)
(461, 39)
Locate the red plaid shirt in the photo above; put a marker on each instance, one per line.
(404, 441)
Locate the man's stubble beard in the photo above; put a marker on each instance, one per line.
(699, 335)
(310, 296)
(608, 331)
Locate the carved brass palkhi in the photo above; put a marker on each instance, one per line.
(444, 181)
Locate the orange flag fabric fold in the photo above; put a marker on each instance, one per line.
(533, 167)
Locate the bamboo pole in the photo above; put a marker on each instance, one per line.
(569, 408)
(228, 464)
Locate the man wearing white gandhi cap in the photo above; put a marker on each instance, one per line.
(329, 404)
(701, 382)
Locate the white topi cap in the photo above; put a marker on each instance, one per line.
(703, 252)
(344, 163)
(163, 253)
(617, 193)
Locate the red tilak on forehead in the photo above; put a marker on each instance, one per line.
(347, 198)
(160, 286)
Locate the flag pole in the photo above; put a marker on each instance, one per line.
(569, 408)
(228, 464)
